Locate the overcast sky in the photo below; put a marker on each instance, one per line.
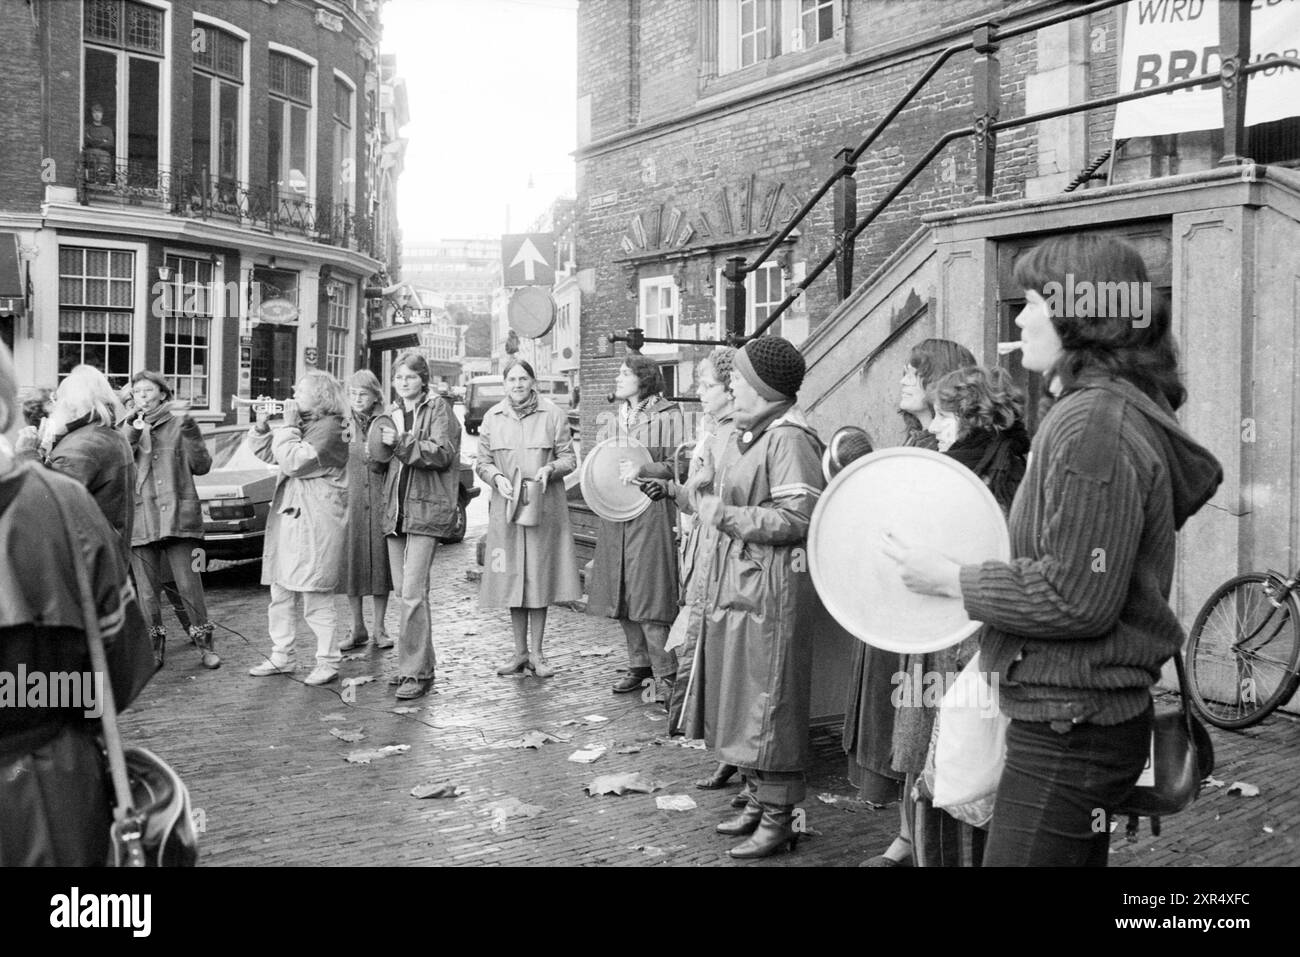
(491, 85)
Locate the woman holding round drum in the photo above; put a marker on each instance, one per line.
(634, 573)
(869, 710)
(525, 441)
(1077, 625)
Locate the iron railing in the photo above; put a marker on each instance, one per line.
(198, 194)
(1234, 29)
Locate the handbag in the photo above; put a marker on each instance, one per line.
(153, 825)
(1182, 756)
(968, 748)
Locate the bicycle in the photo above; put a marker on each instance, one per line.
(1243, 649)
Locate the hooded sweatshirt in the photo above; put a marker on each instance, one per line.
(1077, 625)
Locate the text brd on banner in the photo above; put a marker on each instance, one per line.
(1168, 40)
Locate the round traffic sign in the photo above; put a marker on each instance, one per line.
(531, 312)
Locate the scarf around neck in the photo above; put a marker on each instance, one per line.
(526, 408)
(998, 458)
(144, 450)
(631, 414)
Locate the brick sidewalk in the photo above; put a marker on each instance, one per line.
(274, 787)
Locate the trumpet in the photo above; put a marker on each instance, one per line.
(261, 404)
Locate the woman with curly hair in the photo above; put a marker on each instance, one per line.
(307, 524)
(869, 710)
(979, 421)
(634, 573)
(1076, 650)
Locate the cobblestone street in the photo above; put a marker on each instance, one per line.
(273, 785)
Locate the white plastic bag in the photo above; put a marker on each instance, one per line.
(969, 748)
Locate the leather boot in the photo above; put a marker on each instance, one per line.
(746, 822)
(746, 792)
(201, 635)
(775, 832)
(632, 680)
(158, 637)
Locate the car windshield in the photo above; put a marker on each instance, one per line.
(230, 452)
(490, 390)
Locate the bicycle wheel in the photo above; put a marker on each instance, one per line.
(1242, 653)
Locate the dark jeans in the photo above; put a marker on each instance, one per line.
(1057, 790)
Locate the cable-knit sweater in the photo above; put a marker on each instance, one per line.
(1078, 624)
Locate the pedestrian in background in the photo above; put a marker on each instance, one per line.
(306, 526)
(869, 710)
(634, 571)
(528, 567)
(167, 526)
(365, 565)
(421, 494)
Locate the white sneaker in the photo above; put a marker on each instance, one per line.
(321, 675)
(267, 668)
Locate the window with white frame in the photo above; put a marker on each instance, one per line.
(765, 289)
(345, 159)
(289, 119)
(217, 129)
(338, 332)
(657, 312)
(124, 47)
(96, 310)
(189, 311)
(750, 31)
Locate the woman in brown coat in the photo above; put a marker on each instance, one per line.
(634, 573)
(365, 556)
(528, 567)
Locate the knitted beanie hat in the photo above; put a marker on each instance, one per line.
(773, 366)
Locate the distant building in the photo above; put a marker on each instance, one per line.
(465, 271)
(197, 187)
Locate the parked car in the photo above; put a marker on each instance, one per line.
(485, 391)
(236, 497)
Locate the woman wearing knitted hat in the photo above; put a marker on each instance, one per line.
(1077, 625)
(753, 666)
(634, 573)
(869, 711)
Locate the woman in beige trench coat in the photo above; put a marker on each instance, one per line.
(527, 568)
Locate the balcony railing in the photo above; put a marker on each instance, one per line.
(200, 195)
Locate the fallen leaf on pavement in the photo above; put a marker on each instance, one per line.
(675, 802)
(432, 789)
(533, 739)
(587, 755)
(359, 680)
(358, 656)
(628, 749)
(365, 757)
(622, 784)
(349, 736)
(596, 652)
(695, 744)
(594, 718)
(406, 710)
(1244, 789)
(335, 717)
(503, 810)
(1212, 782)
(649, 850)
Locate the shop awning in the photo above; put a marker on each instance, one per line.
(394, 338)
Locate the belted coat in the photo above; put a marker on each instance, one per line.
(752, 677)
(527, 566)
(634, 571)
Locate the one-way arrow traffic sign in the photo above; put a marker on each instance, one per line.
(527, 259)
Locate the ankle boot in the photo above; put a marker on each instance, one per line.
(746, 822)
(775, 832)
(158, 638)
(201, 635)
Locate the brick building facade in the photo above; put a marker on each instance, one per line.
(704, 126)
(197, 187)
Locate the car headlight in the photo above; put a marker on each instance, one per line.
(227, 510)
